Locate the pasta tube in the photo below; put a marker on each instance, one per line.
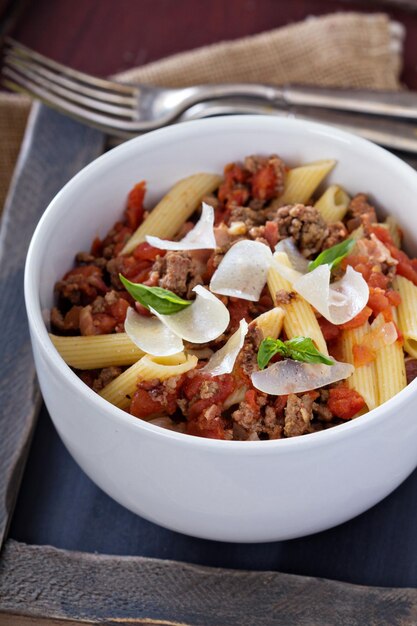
(299, 320)
(174, 209)
(270, 322)
(120, 391)
(390, 368)
(333, 204)
(407, 313)
(94, 352)
(363, 379)
(302, 182)
(394, 230)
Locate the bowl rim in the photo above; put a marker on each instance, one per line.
(39, 331)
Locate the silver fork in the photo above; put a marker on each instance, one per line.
(127, 110)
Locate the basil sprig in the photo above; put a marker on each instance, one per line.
(298, 349)
(163, 301)
(333, 256)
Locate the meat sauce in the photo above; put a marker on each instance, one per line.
(91, 301)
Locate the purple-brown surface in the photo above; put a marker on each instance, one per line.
(103, 37)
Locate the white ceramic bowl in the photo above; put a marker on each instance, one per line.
(230, 491)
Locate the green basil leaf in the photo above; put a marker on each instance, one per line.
(333, 256)
(303, 349)
(298, 349)
(269, 348)
(163, 301)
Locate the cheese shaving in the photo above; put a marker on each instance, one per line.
(243, 271)
(223, 361)
(289, 376)
(201, 237)
(206, 319)
(297, 260)
(338, 302)
(151, 335)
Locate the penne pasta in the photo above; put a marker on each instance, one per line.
(94, 352)
(120, 391)
(299, 319)
(363, 379)
(390, 368)
(394, 230)
(302, 182)
(333, 204)
(238, 395)
(407, 318)
(390, 371)
(270, 322)
(174, 209)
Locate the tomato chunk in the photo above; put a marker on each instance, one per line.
(134, 210)
(330, 331)
(358, 320)
(344, 402)
(362, 355)
(145, 252)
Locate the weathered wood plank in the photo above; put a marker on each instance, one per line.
(38, 581)
(43, 168)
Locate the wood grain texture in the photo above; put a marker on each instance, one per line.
(104, 37)
(33, 186)
(43, 581)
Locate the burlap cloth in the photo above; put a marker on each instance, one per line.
(341, 49)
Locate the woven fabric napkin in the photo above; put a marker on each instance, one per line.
(341, 49)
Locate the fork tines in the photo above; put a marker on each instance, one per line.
(102, 102)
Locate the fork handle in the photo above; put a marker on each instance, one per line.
(401, 104)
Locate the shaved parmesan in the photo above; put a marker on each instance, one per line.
(290, 376)
(203, 321)
(282, 265)
(151, 335)
(338, 302)
(243, 271)
(297, 260)
(201, 237)
(223, 361)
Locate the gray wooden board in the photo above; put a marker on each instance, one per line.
(39, 581)
(40, 584)
(61, 149)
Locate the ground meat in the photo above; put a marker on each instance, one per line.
(209, 423)
(96, 323)
(322, 412)
(68, 322)
(268, 177)
(208, 389)
(246, 417)
(298, 415)
(86, 258)
(247, 359)
(360, 212)
(283, 297)
(411, 369)
(257, 417)
(273, 423)
(247, 215)
(337, 232)
(105, 377)
(81, 285)
(178, 272)
(304, 224)
(160, 391)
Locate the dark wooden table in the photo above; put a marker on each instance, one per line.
(103, 37)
